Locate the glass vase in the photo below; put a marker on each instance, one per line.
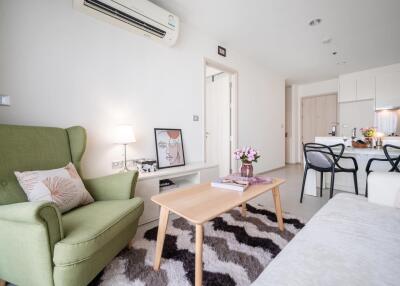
(246, 170)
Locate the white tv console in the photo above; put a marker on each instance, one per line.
(148, 184)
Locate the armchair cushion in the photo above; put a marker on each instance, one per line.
(63, 186)
(384, 189)
(90, 228)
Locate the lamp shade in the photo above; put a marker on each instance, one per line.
(124, 134)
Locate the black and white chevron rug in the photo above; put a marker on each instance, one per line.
(236, 251)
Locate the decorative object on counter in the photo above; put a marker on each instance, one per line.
(354, 133)
(146, 165)
(379, 136)
(169, 148)
(124, 135)
(333, 131)
(369, 134)
(247, 155)
(359, 144)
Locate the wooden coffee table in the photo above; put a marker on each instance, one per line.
(201, 203)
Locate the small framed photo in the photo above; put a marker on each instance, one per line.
(169, 148)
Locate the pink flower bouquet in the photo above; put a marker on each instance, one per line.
(246, 155)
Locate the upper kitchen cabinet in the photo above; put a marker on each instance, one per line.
(356, 87)
(388, 90)
(347, 89)
(365, 87)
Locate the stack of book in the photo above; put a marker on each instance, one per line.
(237, 183)
(166, 185)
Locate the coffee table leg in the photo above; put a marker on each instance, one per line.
(278, 208)
(244, 213)
(162, 227)
(199, 255)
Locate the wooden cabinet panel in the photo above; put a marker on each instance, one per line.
(347, 89)
(365, 87)
(388, 90)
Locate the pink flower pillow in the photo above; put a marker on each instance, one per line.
(62, 186)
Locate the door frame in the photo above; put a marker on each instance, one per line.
(234, 107)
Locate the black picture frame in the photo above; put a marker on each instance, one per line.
(221, 51)
(162, 166)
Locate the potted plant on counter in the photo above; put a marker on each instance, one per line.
(247, 155)
(369, 134)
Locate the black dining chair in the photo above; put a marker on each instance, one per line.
(394, 162)
(323, 159)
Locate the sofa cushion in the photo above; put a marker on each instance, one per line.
(89, 228)
(348, 242)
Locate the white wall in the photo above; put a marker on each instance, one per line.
(63, 68)
(304, 90)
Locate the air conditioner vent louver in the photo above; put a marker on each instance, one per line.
(141, 17)
(104, 8)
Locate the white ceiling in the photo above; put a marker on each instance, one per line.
(365, 33)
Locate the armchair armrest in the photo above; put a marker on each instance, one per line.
(36, 213)
(31, 230)
(384, 189)
(119, 186)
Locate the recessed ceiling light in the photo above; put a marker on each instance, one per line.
(315, 22)
(326, 40)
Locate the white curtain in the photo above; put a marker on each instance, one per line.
(386, 121)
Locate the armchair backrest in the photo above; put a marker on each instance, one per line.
(28, 148)
(321, 157)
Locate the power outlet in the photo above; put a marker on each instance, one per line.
(120, 164)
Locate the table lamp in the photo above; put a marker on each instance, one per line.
(124, 135)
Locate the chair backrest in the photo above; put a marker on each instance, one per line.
(321, 157)
(27, 148)
(394, 159)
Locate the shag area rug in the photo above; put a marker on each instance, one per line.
(236, 250)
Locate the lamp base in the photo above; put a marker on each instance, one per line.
(125, 170)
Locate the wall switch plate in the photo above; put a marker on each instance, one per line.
(196, 118)
(4, 100)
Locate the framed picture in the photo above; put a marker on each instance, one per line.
(169, 148)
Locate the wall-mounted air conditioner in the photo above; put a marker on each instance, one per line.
(139, 16)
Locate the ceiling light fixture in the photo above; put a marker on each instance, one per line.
(326, 40)
(315, 22)
(334, 53)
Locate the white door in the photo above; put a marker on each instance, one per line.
(218, 121)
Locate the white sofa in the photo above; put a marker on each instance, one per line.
(350, 241)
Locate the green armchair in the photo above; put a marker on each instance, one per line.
(38, 244)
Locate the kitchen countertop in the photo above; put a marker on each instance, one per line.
(367, 151)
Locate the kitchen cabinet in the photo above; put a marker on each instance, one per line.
(347, 89)
(365, 87)
(356, 88)
(388, 90)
